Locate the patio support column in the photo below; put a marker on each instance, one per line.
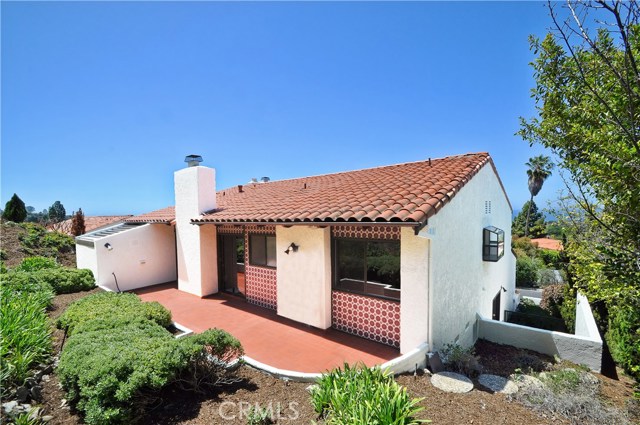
(195, 192)
(414, 295)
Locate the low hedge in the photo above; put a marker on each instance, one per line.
(59, 280)
(112, 305)
(112, 367)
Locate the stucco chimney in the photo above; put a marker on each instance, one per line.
(195, 192)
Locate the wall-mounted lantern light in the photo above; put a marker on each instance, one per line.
(293, 247)
(492, 243)
(108, 246)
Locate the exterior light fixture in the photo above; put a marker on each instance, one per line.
(293, 247)
(193, 160)
(492, 243)
(108, 246)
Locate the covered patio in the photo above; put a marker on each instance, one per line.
(266, 337)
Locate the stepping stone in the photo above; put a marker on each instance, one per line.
(452, 382)
(498, 384)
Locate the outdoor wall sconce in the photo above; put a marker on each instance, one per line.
(108, 246)
(503, 289)
(293, 247)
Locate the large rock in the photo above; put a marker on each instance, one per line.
(452, 382)
(497, 384)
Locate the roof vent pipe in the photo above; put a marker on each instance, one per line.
(253, 180)
(193, 160)
(264, 179)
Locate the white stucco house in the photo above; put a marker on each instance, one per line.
(404, 254)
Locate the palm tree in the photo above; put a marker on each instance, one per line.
(539, 169)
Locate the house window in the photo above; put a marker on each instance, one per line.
(262, 250)
(367, 267)
(493, 244)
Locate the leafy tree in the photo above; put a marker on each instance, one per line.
(30, 210)
(587, 97)
(530, 211)
(57, 213)
(14, 210)
(539, 169)
(77, 223)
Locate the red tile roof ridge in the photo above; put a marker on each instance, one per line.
(400, 164)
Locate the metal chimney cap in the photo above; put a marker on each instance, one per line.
(193, 160)
(265, 179)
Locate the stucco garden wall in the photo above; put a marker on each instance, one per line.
(575, 348)
(304, 277)
(461, 283)
(142, 256)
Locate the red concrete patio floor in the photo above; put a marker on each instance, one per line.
(265, 336)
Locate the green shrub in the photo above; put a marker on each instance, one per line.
(3, 268)
(29, 283)
(109, 362)
(560, 302)
(362, 396)
(3, 255)
(32, 264)
(59, 280)
(623, 335)
(67, 280)
(527, 272)
(524, 245)
(25, 335)
(113, 306)
(550, 258)
(111, 367)
(37, 237)
(461, 360)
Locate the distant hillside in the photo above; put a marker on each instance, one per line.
(19, 241)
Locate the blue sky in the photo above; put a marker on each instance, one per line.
(101, 101)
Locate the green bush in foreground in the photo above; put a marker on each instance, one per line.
(111, 367)
(112, 305)
(362, 396)
(25, 334)
(32, 264)
(23, 282)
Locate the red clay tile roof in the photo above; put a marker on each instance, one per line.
(548, 243)
(403, 193)
(90, 223)
(164, 215)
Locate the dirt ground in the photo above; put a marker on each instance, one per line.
(229, 405)
(15, 253)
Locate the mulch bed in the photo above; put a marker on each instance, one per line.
(230, 404)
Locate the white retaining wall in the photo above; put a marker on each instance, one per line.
(585, 347)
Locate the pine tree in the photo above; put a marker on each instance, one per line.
(57, 213)
(15, 210)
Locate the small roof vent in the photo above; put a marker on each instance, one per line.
(264, 179)
(253, 180)
(193, 160)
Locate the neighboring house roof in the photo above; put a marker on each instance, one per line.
(403, 193)
(90, 223)
(164, 215)
(548, 243)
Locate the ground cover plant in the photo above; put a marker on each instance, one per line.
(119, 355)
(360, 395)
